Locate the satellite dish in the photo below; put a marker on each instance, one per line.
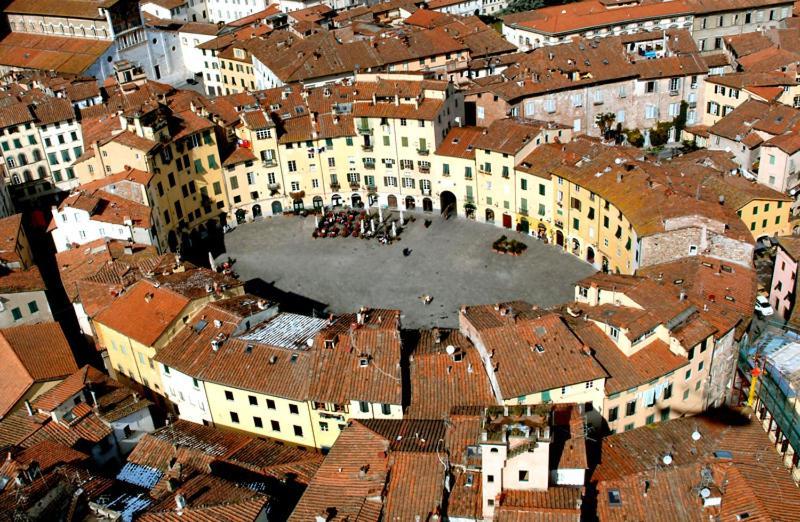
(705, 492)
(667, 459)
(696, 435)
(450, 349)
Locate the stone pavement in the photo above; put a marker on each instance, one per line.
(452, 261)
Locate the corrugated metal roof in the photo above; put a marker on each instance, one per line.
(286, 330)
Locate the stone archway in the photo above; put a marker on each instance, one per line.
(277, 208)
(391, 201)
(317, 203)
(590, 254)
(489, 215)
(427, 205)
(355, 201)
(257, 211)
(411, 203)
(448, 203)
(559, 238)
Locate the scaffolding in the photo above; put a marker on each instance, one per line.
(771, 365)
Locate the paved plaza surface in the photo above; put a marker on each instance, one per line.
(452, 261)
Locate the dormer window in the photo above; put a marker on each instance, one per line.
(613, 332)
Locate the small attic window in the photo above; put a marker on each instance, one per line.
(726, 268)
(723, 454)
(614, 497)
(678, 281)
(293, 359)
(456, 140)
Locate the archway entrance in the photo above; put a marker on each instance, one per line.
(256, 211)
(298, 205)
(411, 204)
(559, 238)
(489, 215)
(277, 208)
(240, 214)
(506, 220)
(427, 205)
(317, 202)
(590, 255)
(391, 201)
(447, 202)
(524, 226)
(355, 199)
(604, 266)
(172, 240)
(576, 247)
(336, 200)
(372, 199)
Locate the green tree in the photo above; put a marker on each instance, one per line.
(518, 6)
(605, 121)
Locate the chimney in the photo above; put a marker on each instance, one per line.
(619, 178)
(94, 398)
(180, 502)
(721, 199)
(148, 297)
(128, 248)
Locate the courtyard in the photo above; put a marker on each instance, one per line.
(452, 261)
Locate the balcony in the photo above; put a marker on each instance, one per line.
(424, 170)
(335, 185)
(423, 152)
(367, 148)
(426, 192)
(523, 212)
(355, 185)
(274, 186)
(483, 170)
(369, 165)
(673, 92)
(269, 163)
(372, 189)
(365, 131)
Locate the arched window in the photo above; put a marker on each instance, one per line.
(22, 159)
(41, 172)
(11, 162)
(15, 179)
(27, 175)
(37, 156)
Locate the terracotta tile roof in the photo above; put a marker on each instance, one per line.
(83, 430)
(144, 312)
(459, 142)
(723, 294)
(760, 485)
(15, 114)
(134, 141)
(239, 155)
(54, 110)
(510, 333)
(414, 490)
(46, 454)
(255, 120)
(651, 362)
(771, 59)
(427, 109)
(208, 29)
(67, 8)
(33, 353)
(510, 135)
(109, 208)
(555, 504)
(10, 228)
(591, 14)
(350, 478)
(13, 281)
(645, 203)
(51, 53)
(790, 245)
(438, 382)
(748, 80)
(210, 498)
(747, 43)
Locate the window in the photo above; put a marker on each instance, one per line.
(270, 404)
(234, 417)
(252, 400)
(650, 419)
(292, 165)
(688, 374)
(293, 409)
(386, 409)
(630, 408)
(257, 422)
(629, 427)
(298, 431)
(490, 478)
(691, 353)
(275, 425)
(613, 332)
(523, 475)
(613, 414)
(229, 395)
(700, 366)
(668, 392)
(363, 406)
(33, 307)
(323, 426)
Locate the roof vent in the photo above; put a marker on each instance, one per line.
(273, 359)
(363, 361)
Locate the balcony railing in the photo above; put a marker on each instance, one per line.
(424, 170)
(355, 185)
(426, 192)
(367, 148)
(365, 130)
(274, 186)
(372, 189)
(370, 165)
(269, 163)
(523, 212)
(423, 152)
(483, 170)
